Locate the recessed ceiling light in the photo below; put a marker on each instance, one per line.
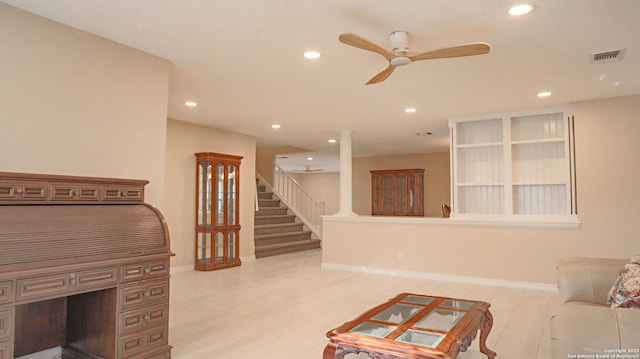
(544, 94)
(312, 55)
(333, 140)
(190, 104)
(521, 9)
(275, 126)
(410, 110)
(309, 158)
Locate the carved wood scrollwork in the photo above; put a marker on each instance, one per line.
(342, 351)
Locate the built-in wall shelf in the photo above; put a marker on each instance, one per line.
(514, 164)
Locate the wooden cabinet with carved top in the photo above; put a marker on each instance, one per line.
(397, 192)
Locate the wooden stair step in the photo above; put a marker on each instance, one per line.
(268, 203)
(263, 229)
(281, 237)
(287, 247)
(270, 211)
(273, 219)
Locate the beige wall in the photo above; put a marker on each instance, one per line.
(322, 187)
(183, 140)
(608, 205)
(76, 104)
(436, 179)
(266, 157)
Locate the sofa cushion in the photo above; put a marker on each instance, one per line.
(625, 292)
(581, 328)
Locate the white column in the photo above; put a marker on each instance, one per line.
(346, 187)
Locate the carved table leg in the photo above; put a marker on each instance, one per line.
(484, 333)
(330, 352)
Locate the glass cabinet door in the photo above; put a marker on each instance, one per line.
(217, 227)
(219, 195)
(219, 248)
(231, 194)
(401, 194)
(204, 193)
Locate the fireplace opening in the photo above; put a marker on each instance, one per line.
(81, 326)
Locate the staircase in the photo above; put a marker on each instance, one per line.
(277, 231)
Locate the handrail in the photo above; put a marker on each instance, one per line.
(289, 191)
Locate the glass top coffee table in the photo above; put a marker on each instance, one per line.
(414, 326)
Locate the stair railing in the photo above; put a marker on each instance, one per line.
(289, 191)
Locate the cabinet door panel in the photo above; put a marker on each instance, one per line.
(158, 292)
(98, 277)
(14, 191)
(5, 350)
(147, 340)
(6, 292)
(131, 320)
(42, 286)
(132, 272)
(134, 320)
(157, 269)
(158, 337)
(132, 344)
(132, 296)
(6, 323)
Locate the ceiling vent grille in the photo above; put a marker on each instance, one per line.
(607, 56)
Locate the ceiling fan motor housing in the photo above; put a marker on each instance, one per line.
(399, 41)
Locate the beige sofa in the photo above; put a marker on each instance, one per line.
(584, 323)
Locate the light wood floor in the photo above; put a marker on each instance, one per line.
(281, 307)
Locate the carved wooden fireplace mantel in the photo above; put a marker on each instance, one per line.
(84, 267)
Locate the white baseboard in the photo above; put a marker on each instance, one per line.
(442, 277)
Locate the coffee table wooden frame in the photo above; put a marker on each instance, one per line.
(458, 339)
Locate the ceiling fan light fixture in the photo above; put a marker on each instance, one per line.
(400, 61)
(521, 9)
(312, 55)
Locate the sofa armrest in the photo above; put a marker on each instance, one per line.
(587, 279)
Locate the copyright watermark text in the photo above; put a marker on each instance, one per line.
(609, 354)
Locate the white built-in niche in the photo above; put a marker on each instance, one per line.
(514, 166)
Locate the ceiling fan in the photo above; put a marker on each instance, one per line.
(308, 169)
(400, 55)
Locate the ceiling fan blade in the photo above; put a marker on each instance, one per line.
(478, 48)
(382, 75)
(362, 43)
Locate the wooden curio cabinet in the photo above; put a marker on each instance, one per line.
(217, 211)
(397, 192)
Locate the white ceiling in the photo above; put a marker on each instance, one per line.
(241, 60)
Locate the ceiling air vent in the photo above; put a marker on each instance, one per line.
(607, 56)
